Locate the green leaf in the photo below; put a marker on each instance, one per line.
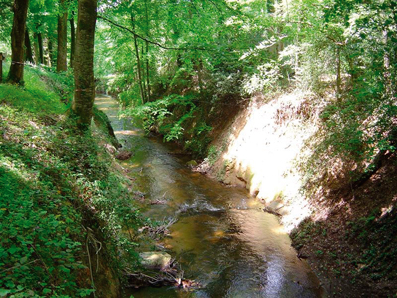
(64, 269)
(4, 292)
(23, 260)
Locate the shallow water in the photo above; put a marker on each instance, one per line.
(222, 237)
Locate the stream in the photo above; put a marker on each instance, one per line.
(222, 238)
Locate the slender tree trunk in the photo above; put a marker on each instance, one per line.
(28, 45)
(36, 49)
(147, 71)
(199, 76)
(338, 75)
(1, 68)
(147, 52)
(62, 37)
(138, 62)
(41, 47)
(46, 53)
(386, 66)
(15, 74)
(50, 52)
(72, 40)
(84, 94)
(143, 75)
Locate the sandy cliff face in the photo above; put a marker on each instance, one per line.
(261, 148)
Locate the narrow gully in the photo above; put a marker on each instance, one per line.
(222, 238)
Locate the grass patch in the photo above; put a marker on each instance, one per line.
(35, 96)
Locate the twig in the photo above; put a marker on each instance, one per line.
(90, 237)
(16, 266)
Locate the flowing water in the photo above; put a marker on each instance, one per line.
(222, 238)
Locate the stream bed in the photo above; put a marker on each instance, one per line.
(222, 238)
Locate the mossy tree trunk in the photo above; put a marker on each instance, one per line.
(84, 63)
(20, 9)
(62, 36)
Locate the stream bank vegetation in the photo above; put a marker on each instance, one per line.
(321, 73)
(65, 206)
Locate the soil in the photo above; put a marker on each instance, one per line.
(354, 249)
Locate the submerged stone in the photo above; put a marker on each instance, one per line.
(192, 163)
(155, 259)
(123, 155)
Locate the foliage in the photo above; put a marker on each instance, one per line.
(358, 124)
(177, 118)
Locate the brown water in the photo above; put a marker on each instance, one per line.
(222, 238)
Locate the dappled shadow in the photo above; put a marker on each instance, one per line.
(354, 243)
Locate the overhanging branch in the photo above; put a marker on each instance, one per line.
(151, 41)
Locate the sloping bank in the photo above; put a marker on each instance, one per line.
(345, 227)
(63, 201)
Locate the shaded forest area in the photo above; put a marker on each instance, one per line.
(184, 68)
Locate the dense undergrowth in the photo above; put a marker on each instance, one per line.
(179, 118)
(62, 207)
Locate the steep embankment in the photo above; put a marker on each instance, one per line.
(259, 150)
(346, 229)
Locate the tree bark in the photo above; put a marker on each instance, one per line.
(84, 94)
(15, 74)
(72, 39)
(28, 45)
(62, 37)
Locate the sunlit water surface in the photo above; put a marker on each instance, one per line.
(222, 238)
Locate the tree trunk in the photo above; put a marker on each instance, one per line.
(147, 71)
(50, 52)
(36, 49)
(62, 37)
(147, 52)
(72, 40)
(338, 74)
(46, 53)
(138, 61)
(386, 66)
(41, 47)
(143, 75)
(84, 94)
(15, 74)
(28, 45)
